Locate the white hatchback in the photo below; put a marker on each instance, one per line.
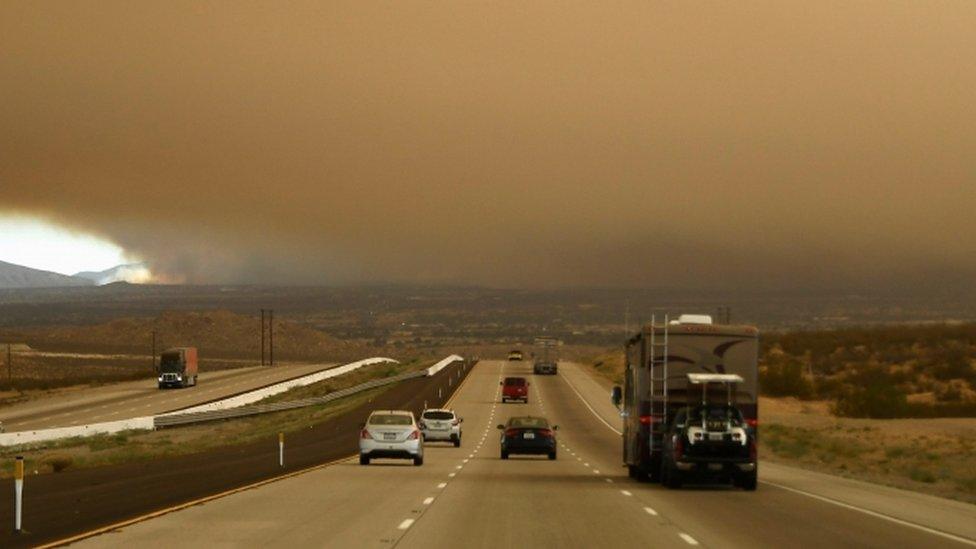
(391, 434)
(439, 424)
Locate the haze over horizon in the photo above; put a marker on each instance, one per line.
(775, 145)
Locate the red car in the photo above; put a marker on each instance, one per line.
(515, 388)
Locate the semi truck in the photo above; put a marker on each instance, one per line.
(178, 367)
(690, 401)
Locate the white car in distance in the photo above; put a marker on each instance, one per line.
(440, 424)
(391, 434)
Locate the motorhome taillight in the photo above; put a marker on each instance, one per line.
(752, 422)
(646, 420)
(679, 447)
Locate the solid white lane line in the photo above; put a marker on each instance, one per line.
(442, 485)
(590, 408)
(875, 514)
(650, 511)
(688, 539)
(626, 493)
(405, 524)
(428, 501)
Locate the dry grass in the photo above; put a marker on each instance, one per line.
(934, 456)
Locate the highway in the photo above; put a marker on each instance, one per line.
(468, 496)
(141, 398)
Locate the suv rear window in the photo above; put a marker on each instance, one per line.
(438, 415)
(517, 381)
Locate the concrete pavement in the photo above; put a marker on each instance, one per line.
(469, 497)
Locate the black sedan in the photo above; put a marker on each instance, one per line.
(528, 435)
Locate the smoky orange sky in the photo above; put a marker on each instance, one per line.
(528, 144)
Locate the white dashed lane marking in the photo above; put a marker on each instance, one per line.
(650, 511)
(688, 539)
(428, 501)
(442, 485)
(405, 524)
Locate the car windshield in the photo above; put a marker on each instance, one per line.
(528, 422)
(516, 381)
(390, 419)
(715, 413)
(438, 415)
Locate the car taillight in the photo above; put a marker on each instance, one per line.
(753, 451)
(752, 423)
(414, 435)
(545, 433)
(679, 447)
(511, 432)
(365, 434)
(646, 420)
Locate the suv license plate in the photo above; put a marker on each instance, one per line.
(528, 435)
(389, 436)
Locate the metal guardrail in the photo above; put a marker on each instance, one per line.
(214, 415)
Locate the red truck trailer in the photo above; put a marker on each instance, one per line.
(178, 367)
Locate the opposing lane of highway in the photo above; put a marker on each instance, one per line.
(141, 398)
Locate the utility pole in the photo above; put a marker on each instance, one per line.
(262, 337)
(154, 350)
(271, 337)
(10, 372)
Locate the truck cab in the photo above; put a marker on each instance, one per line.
(178, 367)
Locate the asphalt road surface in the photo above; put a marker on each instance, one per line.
(141, 398)
(469, 497)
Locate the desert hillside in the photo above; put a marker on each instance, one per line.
(215, 333)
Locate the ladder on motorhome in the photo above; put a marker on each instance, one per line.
(659, 375)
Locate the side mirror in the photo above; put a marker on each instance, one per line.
(460, 420)
(501, 383)
(616, 395)
(555, 427)
(501, 426)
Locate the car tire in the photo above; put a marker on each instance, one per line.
(504, 454)
(363, 460)
(670, 476)
(748, 481)
(457, 442)
(418, 460)
(552, 455)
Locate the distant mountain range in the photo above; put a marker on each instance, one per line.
(133, 272)
(18, 276)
